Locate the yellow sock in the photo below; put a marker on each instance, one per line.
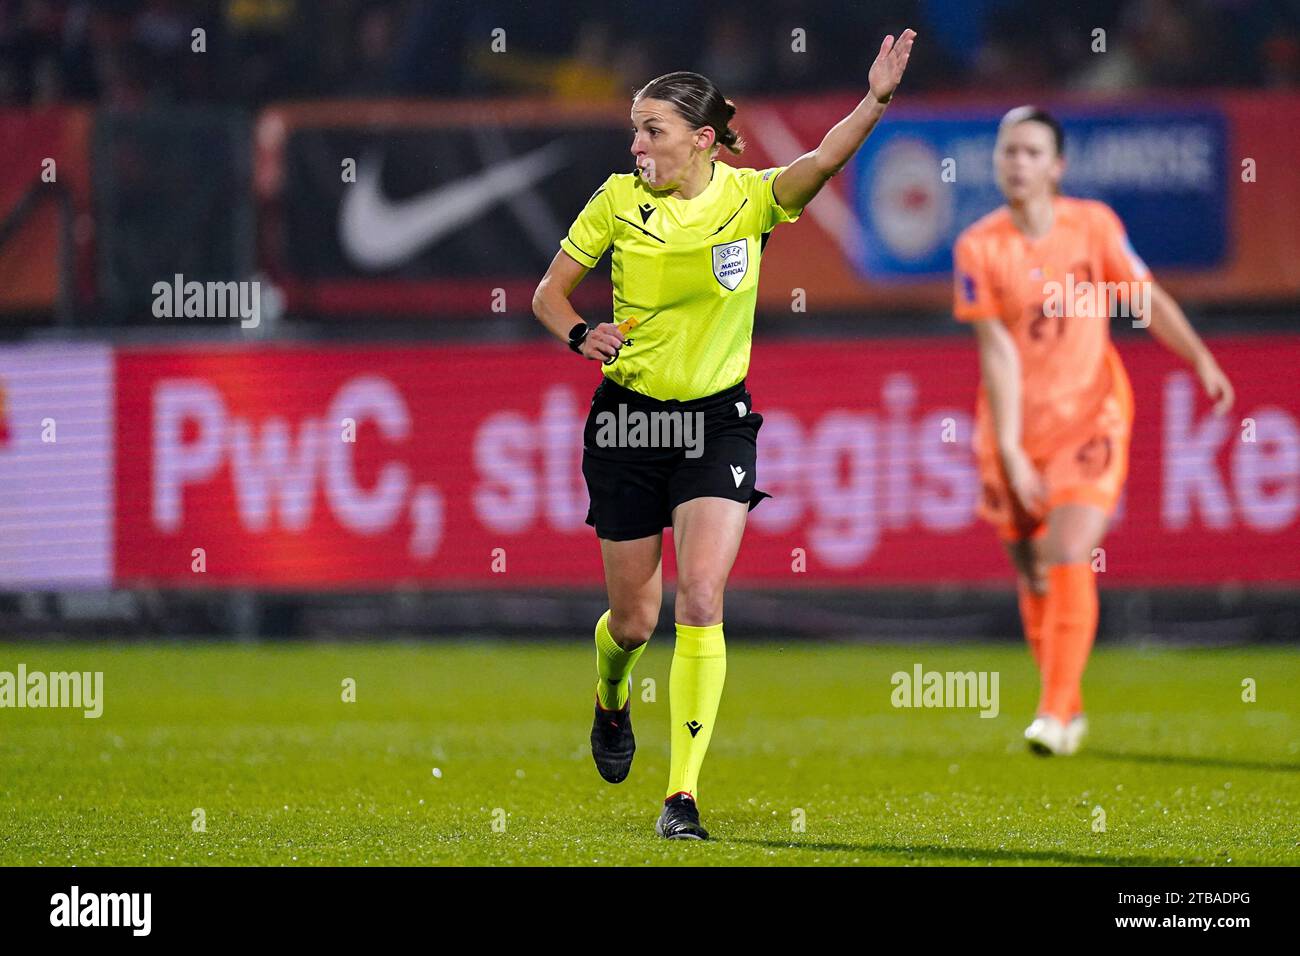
(614, 665)
(694, 689)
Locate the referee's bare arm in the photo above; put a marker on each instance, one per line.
(799, 182)
(552, 308)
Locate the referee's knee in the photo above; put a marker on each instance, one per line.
(699, 603)
(630, 628)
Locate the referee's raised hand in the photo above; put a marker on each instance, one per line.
(603, 342)
(887, 70)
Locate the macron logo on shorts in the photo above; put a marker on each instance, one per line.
(738, 474)
(741, 410)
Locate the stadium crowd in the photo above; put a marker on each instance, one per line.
(131, 53)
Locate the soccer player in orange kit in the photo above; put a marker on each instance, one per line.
(1037, 278)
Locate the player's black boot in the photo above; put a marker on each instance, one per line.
(680, 819)
(612, 743)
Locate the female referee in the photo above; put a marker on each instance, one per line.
(688, 234)
(1055, 411)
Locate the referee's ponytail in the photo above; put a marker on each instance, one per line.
(699, 103)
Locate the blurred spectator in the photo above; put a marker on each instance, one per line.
(589, 72)
(259, 49)
(1282, 59)
(376, 31)
(729, 58)
(1157, 43)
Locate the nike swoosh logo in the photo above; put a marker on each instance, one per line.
(738, 474)
(377, 233)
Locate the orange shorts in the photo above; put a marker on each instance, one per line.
(1088, 466)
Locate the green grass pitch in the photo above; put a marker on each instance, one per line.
(477, 753)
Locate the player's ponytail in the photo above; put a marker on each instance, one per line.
(699, 102)
(729, 137)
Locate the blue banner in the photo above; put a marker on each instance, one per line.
(918, 183)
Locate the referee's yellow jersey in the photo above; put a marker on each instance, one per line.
(687, 269)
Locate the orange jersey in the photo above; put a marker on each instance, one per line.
(1048, 292)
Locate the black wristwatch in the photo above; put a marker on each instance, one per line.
(578, 335)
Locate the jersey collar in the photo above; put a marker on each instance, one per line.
(714, 180)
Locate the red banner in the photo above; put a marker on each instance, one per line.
(357, 467)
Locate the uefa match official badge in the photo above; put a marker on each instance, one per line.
(731, 262)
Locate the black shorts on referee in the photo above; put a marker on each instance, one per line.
(643, 456)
